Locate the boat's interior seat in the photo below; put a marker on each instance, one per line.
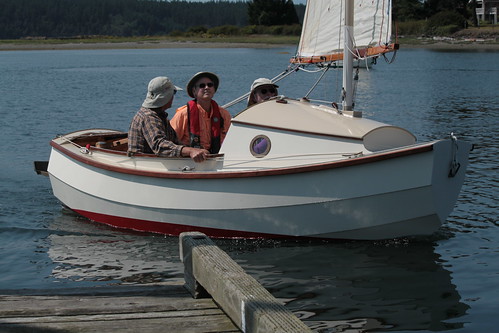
(113, 144)
(120, 144)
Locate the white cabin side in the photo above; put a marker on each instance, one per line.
(299, 130)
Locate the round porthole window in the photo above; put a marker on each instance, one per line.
(260, 146)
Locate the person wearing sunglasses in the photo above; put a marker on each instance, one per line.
(262, 89)
(150, 131)
(202, 123)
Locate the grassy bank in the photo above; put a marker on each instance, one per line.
(466, 38)
(258, 39)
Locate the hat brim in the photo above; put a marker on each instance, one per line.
(264, 84)
(199, 75)
(159, 100)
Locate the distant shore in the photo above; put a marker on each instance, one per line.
(129, 45)
(459, 45)
(164, 44)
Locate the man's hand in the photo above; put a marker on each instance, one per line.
(198, 155)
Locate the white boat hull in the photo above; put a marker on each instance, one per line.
(371, 200)
(290, 167)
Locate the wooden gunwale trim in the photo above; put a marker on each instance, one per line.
(295, 131)
(94, 136)
(412, 150)
(124, 153)
(368, 51)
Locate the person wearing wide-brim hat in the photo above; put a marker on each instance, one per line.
(202, 123)
(262, 89)
(150, 131)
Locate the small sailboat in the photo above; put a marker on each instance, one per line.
(287, 168)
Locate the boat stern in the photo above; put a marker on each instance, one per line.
(449, 169)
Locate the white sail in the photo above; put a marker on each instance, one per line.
(323, 25)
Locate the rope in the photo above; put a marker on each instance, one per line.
(454, 165)
(390, 61)
(83, 150)
(356, 81)
(234, 162)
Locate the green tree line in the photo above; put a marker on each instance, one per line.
(433, 17)
(124, 18)
(60, 18)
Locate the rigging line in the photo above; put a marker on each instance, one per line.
(237, 100)
(234, 162)
(338, 79)
(69, 140)
(355, 51)
(319, 69)
(83, 150)
(356, 81)
(356, 54)
(389, 61)
(320, 101)
(279, 77)
(290, 70)
(324, 71)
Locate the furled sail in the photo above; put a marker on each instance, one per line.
(322, 37)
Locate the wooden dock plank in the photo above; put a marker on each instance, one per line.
(250, 306)
(226, 299)
(178, 325)
(119, 309)
(110, 316)
(30, 305)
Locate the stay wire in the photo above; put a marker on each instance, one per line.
(290, 70)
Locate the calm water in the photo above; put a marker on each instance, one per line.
(449, 281)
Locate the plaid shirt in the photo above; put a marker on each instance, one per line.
(151, 133)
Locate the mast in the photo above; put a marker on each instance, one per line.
(328, 37)
(347, 93)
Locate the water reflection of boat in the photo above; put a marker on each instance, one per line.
(84, 252)
(357, 286)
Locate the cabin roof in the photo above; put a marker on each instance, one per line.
(303, 116)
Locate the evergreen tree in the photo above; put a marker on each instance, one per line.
(406, 10)
(433, 7)
(272, 12)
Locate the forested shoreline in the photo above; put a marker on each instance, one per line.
(69, 18)
(49, 19)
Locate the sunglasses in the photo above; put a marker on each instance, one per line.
(270, 90)
(209, 84)
(174, 91)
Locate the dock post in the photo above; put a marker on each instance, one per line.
(209, 270)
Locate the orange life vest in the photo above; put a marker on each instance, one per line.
(217, 124)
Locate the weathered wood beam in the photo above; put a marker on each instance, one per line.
(250, 306)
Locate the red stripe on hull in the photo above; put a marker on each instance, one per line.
(171, 229)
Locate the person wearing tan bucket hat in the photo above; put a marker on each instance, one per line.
(262, 89)
(150, 131)
(202, 123)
